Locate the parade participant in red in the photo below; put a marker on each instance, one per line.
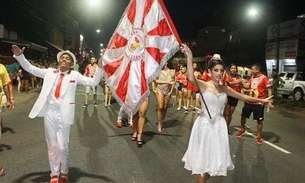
(235, 82)
(56, 103)
(192, 90)
(181, 78)
(175, 92)
(259, 87)
(90, 70)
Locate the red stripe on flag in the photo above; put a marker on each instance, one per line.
(146, 10)
(161, 30)
(131, 13)
(121, 89)
(117, 42)
(170, 21)
(155, 53)
(113, 66)
(143, 79)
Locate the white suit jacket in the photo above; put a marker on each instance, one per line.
(68, 88)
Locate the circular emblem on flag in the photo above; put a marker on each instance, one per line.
(135, 47)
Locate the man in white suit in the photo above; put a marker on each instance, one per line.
(56, 103)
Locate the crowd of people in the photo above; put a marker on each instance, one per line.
(212, 94)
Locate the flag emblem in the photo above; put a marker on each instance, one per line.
(135, 47)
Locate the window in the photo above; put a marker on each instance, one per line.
(289, 76)
(299, 77)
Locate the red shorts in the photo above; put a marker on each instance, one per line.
(192, 87)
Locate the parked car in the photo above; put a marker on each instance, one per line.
(292, 83)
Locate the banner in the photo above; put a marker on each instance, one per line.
(143, 41)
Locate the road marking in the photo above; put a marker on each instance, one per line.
(267, 142)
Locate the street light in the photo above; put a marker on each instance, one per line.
(98, 31)
(252, 12)
(94, 3)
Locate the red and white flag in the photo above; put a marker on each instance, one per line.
(143, 41)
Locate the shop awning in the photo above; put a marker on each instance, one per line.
(54, 46)
(28, 44)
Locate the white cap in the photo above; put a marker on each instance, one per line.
(216, 57)
(69, 53)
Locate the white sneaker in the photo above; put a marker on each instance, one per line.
(178, 109)
(184, 108)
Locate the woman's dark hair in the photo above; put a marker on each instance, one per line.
(258, 66)
(214, 62)
(170, 64)
(231, 65)
(229, 70)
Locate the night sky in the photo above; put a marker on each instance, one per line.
(189, 16)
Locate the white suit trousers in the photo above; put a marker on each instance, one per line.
(57, 137)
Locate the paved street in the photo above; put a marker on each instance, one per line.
(100, 152)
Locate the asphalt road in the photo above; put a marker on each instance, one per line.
(100, 152)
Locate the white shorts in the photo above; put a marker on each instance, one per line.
(93, 88)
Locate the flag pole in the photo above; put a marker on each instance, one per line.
(206, 107)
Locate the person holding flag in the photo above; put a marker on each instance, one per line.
(144, 40)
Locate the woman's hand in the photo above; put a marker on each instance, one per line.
(171, 82)
(269, 101)
(9, 105)
(155, 91)
(186, 50)
(100, 63)
(168, 95)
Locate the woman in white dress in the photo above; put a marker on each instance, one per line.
(208, 152)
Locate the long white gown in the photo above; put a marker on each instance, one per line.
(208, 149)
